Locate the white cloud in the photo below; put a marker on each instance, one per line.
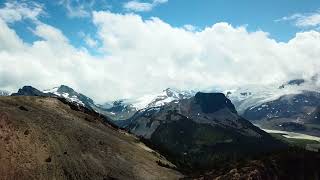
(308, 20)
(144, 56)
(138, 6)
(190, 27)
(49, 33)
(220, 55)
(88, 40)
(78, 8)
(17, 11)
(92, 43)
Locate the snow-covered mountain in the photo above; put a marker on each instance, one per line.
(292, 106)
(4, 93)
(71, 95)
(67, 93)
(253, 96)
(159, 99)
(117, 110)
(121, 109)
(195, 128)
(124, 109)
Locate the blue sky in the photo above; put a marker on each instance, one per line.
(111, 49)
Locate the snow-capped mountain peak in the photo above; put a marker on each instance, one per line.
(4, 93)
(71, 95)
(155, 100)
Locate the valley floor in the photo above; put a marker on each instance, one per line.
(292, 135)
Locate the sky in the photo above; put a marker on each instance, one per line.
(116, 49)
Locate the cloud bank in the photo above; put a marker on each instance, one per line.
(146, 55)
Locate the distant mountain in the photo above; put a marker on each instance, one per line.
(287, 106)
(61, 91)
(199, 130)
(294, 82)
(71, 95)
(290, 107)
(4, 93)
(118, 110)
(293, 112)
(166, 96)
(124, 109)
(30, 91)
(252, 96)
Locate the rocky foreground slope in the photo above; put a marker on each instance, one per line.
(44, 138)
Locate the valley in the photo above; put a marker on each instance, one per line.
(293, 135)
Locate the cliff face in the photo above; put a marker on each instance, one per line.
(43, 138)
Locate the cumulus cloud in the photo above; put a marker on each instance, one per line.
(147, 55)
(307, 20)
(138, 6)
(220, 55)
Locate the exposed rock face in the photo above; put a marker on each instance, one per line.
(212, 102)
(43, 138)
(29, 91)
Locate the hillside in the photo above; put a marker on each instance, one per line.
(44, 138)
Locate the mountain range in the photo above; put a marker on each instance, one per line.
(117, 110)
(203, 130)
(187, 134)
(291, 106)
